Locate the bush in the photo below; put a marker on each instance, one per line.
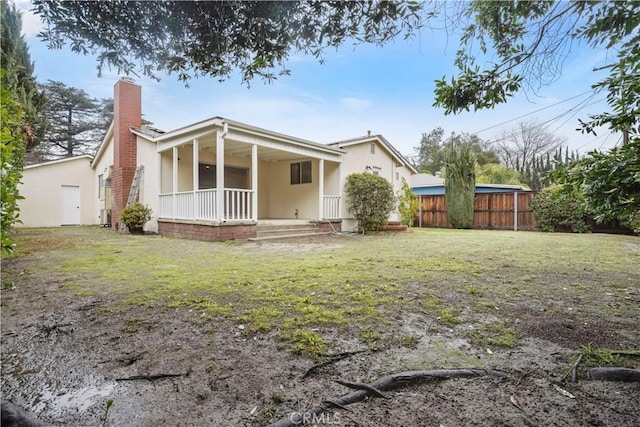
(370, 199)
(407, 204)
(135, 216)
(555, 208)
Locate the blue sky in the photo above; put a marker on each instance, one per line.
(387, 90)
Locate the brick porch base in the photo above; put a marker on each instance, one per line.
(206, 232)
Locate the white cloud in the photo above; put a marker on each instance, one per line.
(31, 24)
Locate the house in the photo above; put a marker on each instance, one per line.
(267, 176)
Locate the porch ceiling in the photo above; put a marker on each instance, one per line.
(236, 148)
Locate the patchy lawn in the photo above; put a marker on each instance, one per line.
(245, 322)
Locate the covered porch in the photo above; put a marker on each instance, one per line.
(264, 176)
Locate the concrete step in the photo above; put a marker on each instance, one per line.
(288, 236)
(288, 230)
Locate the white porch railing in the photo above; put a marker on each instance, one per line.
(237, 204)
(331, 207)
(207, 205)
(202, 205)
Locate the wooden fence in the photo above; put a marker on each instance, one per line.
(500, 211)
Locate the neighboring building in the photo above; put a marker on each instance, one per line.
(266, 176)
(424, 184)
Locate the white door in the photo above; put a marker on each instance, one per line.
(70, 205)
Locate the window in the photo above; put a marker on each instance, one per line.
(100, 187)
(300, 173)
(372, 148)
(234, 177)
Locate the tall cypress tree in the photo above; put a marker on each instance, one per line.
(460, 184)
(18, 76)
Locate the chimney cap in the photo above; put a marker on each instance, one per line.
(127, 79)
(368, 133)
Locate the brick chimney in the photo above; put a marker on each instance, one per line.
(127, 112)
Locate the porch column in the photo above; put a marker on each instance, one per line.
(254, 182)
(321, 189)
(220, 175)
(159, 181)
(174, 183)
(196, 179)
(340, 188)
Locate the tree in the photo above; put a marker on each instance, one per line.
(430, 151)
(493, 173)
(432, 148)
(407, 204)
(529, 42)
(370, 199)
(18, 76)
(217, 38)
(77, 122)
(524, 144)
(460, 184)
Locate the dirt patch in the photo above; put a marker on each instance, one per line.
(66, 351)
(569, 331)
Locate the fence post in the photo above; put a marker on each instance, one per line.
(515, 211)
(420, 217)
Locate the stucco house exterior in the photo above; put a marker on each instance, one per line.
(267, 176)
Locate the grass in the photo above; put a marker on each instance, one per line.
(309, 293)
(497, 334)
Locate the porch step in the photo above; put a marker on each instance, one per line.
(395, 226)
(284, 229)
(288, 236)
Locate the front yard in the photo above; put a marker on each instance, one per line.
(242, 323)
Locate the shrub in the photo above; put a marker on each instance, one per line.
(135, 216)
(555, 208)
(407, 204)
(370, 199)
(12, 143)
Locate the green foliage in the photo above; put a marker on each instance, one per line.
(433, 146)
(407, 204)
(610, 184)
(555, 208)
(135, 216)
(449, 316)
(18, 76)
(599, 356)
(497, 334)
(370, 199)
(307, 343)
(12, 148)
(369, 337)
(493, 173)
(217, 39)
(528, 43)
(460, 185)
